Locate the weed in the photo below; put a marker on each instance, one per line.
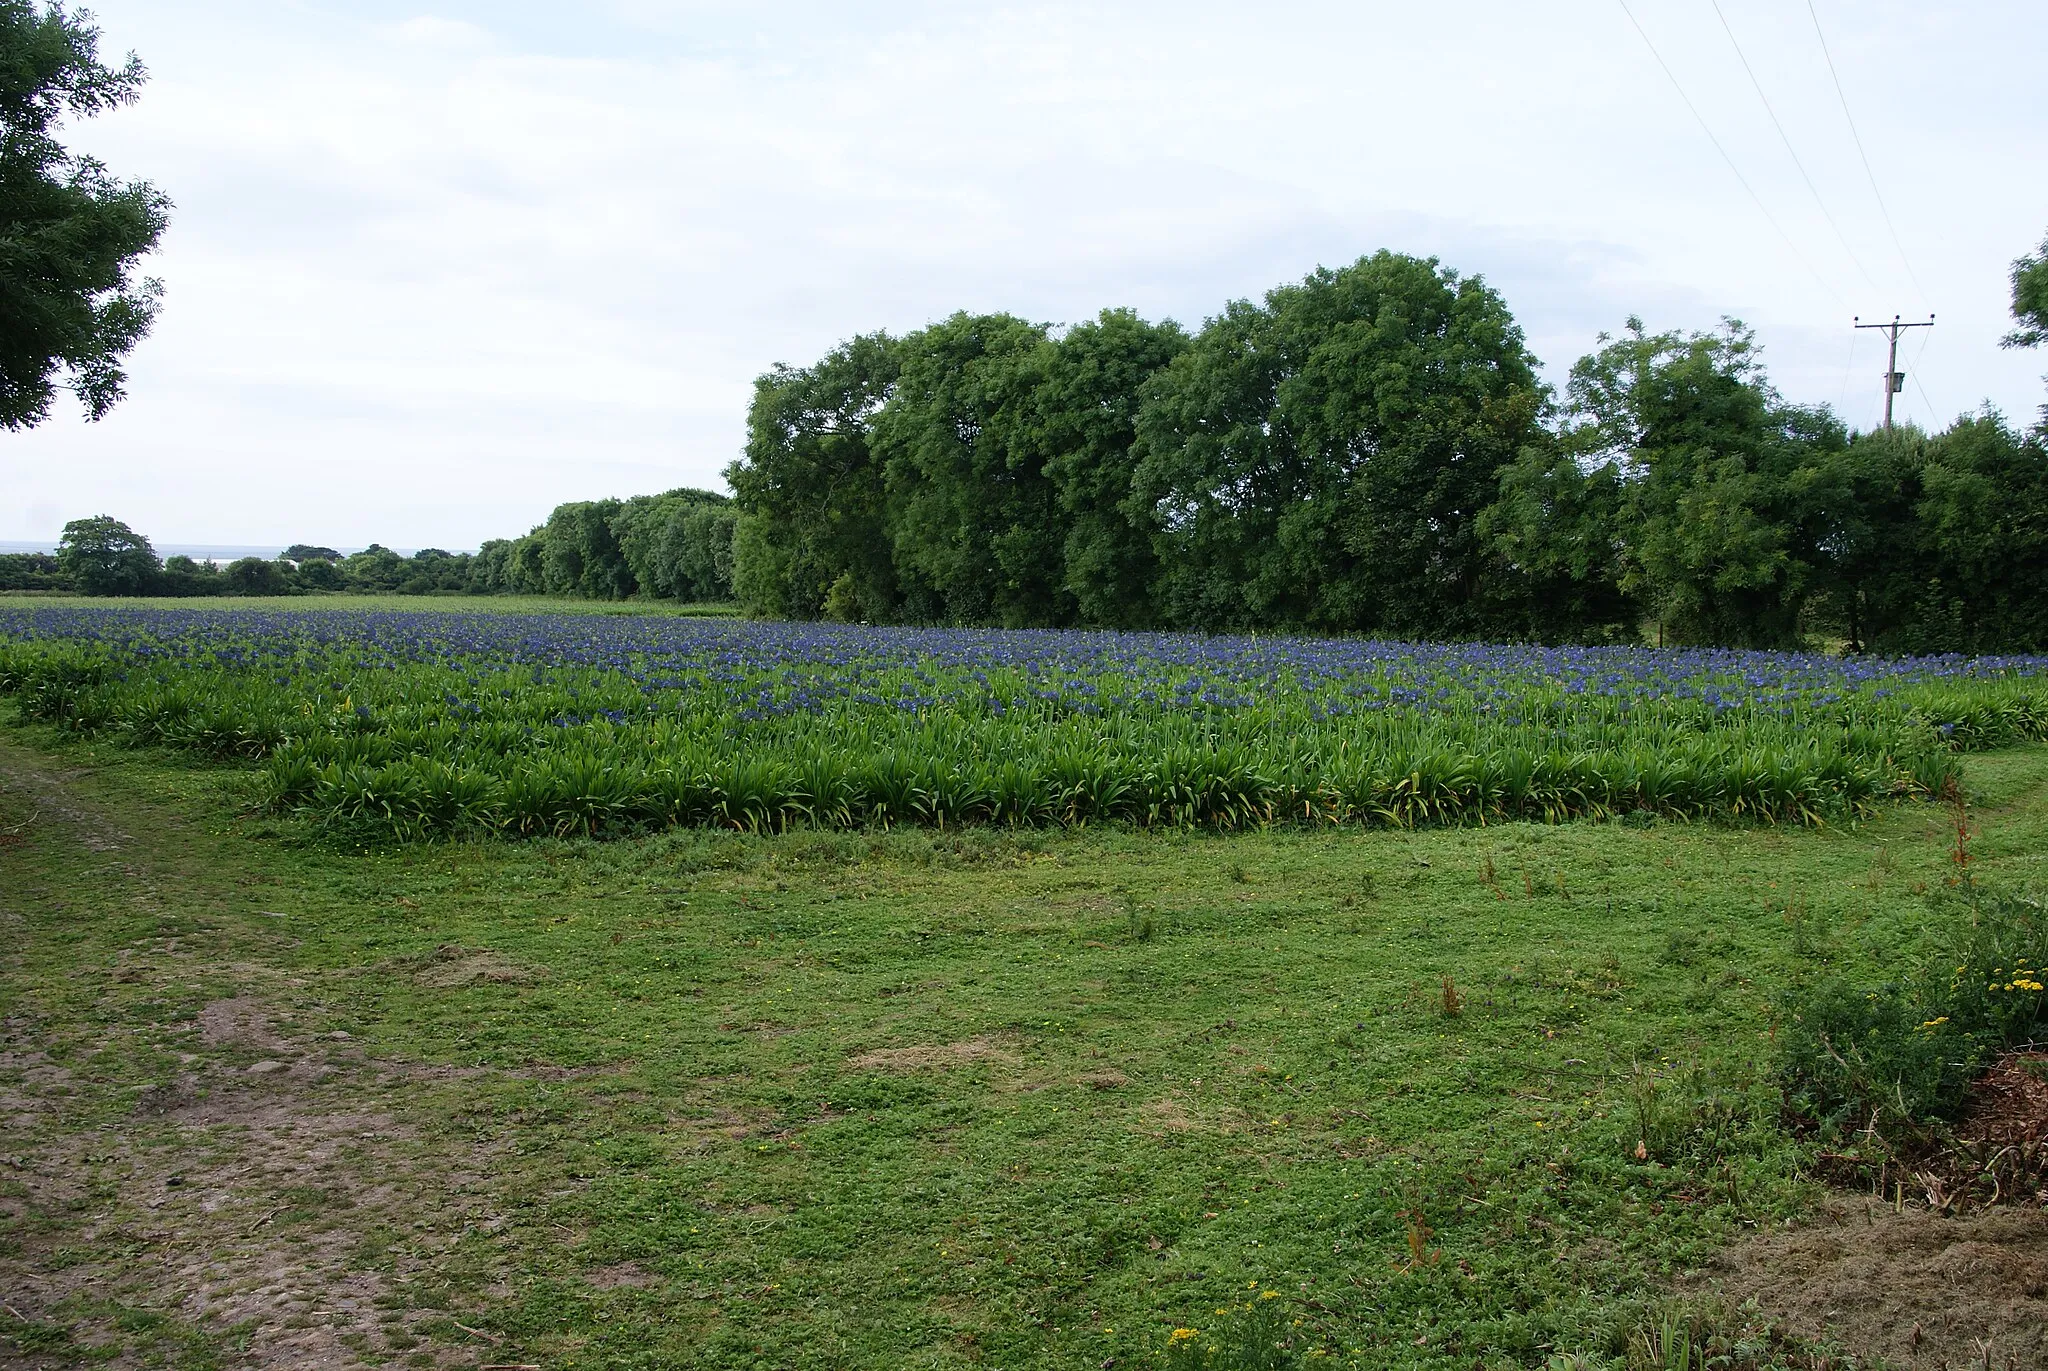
(1901, 1054)
(1452, 1003)
(1139, 922)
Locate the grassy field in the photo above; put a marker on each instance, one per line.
(1448, 1098)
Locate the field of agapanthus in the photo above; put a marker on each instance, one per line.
(422, 723)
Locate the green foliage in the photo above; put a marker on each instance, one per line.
(318, 574)
(1084, 407)
(1718, 534)
(377, 570)
(2030, 299)
(72, 230)
(1321, 460)
(1252, 1335)
(103, 556)
(181, 575)
(1904, 1052)
(809, 494)
(972, 517)
(441, 747)
(1555, 535)
(1942, 545)
(32, 571)
(580, 553)
(678, 545)
(1368, 450)
(256, 576)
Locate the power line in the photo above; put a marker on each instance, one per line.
(1882, 208)
(1894, 379)
(1786, 139)
(1708, 130)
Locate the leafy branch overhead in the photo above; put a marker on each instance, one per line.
(71, 231)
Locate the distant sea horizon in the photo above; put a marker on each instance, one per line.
(198, 552)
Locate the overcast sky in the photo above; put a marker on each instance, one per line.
(434, 270)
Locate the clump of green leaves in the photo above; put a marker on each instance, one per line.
(1905, 1052)
(1255, 1335)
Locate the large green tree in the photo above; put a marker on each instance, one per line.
(1559, 549)
(1725, 508)
(103, 556)
(1321, 460)
(1968, 572)
(580, 552)
(70, 231)
(812, 508)
(2030, 299)
(678, 544)
(973, 520)
(1083, 417)
(2030, 306)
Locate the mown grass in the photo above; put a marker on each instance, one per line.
(1038, 1099)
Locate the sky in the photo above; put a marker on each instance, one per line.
(434, 269)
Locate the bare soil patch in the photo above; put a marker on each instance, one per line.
(274, 1209)
(935, 1056)
(453, 967)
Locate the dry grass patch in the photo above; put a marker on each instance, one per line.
(1922, 1291)
(935, 1056)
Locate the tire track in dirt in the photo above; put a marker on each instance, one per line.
(263, 1198)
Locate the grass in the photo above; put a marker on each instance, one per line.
(884, 1099)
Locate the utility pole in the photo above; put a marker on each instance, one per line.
(1894, 379)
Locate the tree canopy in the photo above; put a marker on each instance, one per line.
(1368, 449)
(70, 230)
(103, 556)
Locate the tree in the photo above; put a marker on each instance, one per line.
(70, 232)
(2030, 307)
(318, 573)
(809, 495)
(103, 556)
(181, 575)
(306, 552)
(972, 519)
(580, 553)
(31, 571)
(1724, 515)
(678, 545)
(1972, 575)
(1321, 460)
(2030, 300)
(1084, 415)
(1862, 499)
(255, 576)
(376, 570)
(1556, 534)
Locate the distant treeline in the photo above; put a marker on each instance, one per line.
(1370, 451)
(675, 546)
(1367, 450)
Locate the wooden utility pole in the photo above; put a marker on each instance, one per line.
(1894, 379)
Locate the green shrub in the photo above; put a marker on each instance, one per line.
(1905, 1053)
